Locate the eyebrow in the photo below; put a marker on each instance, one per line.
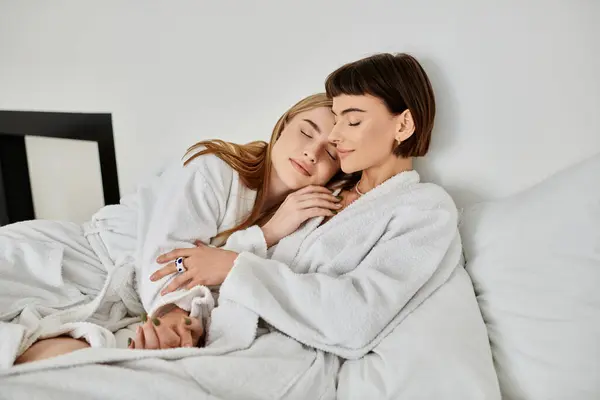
(315, 126)
(347, 110)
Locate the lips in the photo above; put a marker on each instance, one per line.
(300, 167)
(343, 152)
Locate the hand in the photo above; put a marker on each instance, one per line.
(204, 265)
(303, 204)
(173, 329)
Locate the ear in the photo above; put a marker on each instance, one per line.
(405, 126)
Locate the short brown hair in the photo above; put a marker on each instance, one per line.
(401, 83)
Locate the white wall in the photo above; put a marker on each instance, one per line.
(517, 81)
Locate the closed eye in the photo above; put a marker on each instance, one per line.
(332, 156)
(354, 124)
(305, 134)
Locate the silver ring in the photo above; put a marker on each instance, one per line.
(179, 265)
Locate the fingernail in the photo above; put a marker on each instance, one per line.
(144, 317)
(152, 277)
(334, 212)
(338, 205)
(339, 197)
(187, 345)
(156, 321)
(188, 321)
(159, 259)
(129, 340)
(163, 292)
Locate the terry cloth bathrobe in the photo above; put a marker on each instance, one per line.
(62, 278)
(333, 295)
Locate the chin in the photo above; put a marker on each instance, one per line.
(293, 181)
(349, 168)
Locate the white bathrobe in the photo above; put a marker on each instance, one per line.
(331, 293)
(382, 286)
(56, 275)
(344, 285)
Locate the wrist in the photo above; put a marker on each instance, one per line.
(269, 237)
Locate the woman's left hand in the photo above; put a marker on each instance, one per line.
(173, 329)
(208, 266)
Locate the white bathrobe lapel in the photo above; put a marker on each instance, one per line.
(290, 247)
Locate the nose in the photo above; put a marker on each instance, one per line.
(313, 151)
(310, 155)
(334, 136)
(316, 149)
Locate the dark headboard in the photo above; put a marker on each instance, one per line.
(16, 203)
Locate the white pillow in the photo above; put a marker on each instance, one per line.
(534, 259)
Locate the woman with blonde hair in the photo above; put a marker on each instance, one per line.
(343, 286)
(73, 285)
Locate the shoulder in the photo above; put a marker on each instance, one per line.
(206, 168)
(205, 171)
(215, 172)
(424, 201)
(209, 165)
(432, 196)
(407, 190)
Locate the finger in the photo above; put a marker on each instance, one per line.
(168, 269)
(195, 326)
(195, 282)
(130, 343)
(312, 189)
(175, 254)
(185, 335)
(139, 342)
(312, 203)
(150, 337)
(167, 338)
(177, 282)
(191, 284)
(316, 212)
(322, 196)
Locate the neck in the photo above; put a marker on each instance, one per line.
(376, 175)
(276, 191)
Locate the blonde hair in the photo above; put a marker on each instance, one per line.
(252, 161)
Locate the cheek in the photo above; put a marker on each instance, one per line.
(282, 146)
(361, 135)
(292, 145)
(373, 136)
(278, 155)
(276, 151)
(326, 172)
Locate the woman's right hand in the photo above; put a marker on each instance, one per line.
(303, 204)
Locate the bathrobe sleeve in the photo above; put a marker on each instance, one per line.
(187, 208)
(251, 240)
(190, 202)
(346, 314)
